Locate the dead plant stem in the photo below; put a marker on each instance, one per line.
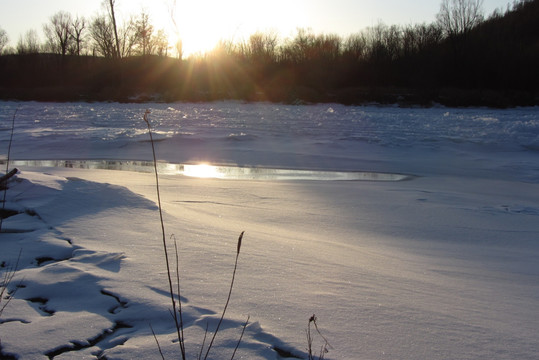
(171, 289)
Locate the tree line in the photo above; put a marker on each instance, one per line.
(462, 58)
(68, 35)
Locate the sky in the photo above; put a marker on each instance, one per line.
(202, 23)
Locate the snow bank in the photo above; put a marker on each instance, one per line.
(442, 266)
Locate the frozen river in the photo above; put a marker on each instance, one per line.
(312, 137)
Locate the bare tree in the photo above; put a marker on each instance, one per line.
(144, 41)
(223, 48)
(459, 16)
(376, 42)
(110, 8)
(179, 48)
(355, 46)
(127, 38)
(160, 44)
(144, 34)
(3, 40)
(297, 50)
(262, 47)
(57, 32)
(418, 37)
(78, 25)
(29, 44)
(456, 19)
(104, 38)
(102, 34)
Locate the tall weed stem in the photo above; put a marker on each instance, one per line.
(7, 163)
(179, 325)
(228, 298)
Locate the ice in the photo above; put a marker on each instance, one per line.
(444, 265)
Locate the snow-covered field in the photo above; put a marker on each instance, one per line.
(437, 258)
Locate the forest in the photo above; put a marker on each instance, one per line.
(463, 58)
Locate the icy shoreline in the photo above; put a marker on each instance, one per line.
(215, 171)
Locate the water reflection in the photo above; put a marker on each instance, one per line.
(215, 171)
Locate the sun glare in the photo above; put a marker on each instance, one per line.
(202, 171)
(200, 25)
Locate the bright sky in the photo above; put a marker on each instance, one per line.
(202, 23)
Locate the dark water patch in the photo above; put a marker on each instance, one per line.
(218, 171)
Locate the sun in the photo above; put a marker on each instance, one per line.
(200, 25)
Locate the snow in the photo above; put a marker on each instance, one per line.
(431, 252)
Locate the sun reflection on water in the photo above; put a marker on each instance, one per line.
(202, 171)
(208, 171)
